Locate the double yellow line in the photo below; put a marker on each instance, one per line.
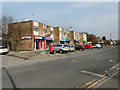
(95, 81)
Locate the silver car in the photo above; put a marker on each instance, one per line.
(61, 48)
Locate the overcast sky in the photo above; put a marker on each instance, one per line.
(99, 18)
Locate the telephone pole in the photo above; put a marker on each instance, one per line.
(110, 35)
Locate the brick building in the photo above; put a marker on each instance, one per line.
(83, 38)
(32, 35)
(74, 38)
(49, 36)
(61, 36)
(29, 35)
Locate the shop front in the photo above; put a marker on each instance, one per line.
(64, 41)
(49, 41)
(84, 42)
(76, 42)
(39, 43)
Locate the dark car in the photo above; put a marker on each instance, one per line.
(88, 46)
(80, 47)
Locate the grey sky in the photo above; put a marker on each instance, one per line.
(99, 18)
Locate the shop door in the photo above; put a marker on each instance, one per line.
(42, 44)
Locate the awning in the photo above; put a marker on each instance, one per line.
(84, 40)
(67, 40)
(49, 39)
(62, 39)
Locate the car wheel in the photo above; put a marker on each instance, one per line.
(61, 51)
(82, 49)
(89, 48)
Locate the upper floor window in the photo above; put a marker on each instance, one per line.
(45, 30)
(51, 31)
(68, 34)
(64, 33)
(35, 28)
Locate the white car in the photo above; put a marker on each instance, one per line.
(3, 50)
(98, 45)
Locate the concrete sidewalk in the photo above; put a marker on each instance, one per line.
(28, 54)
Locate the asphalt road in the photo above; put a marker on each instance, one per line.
(68, 71)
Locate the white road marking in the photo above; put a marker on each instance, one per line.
(91, 73)
(111, 60)
(74, 60)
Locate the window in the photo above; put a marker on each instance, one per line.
(45, 30)
(51, 31)
(59, 45)
(35, 28)
(64, 33)
(68, 34)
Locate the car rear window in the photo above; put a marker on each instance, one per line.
(66, 45)
(59, 45)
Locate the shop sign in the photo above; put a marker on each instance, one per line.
(27, 37)
(35, 37)
(43, 38)
(47, 35)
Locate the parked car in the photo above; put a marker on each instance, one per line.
(95, 46)
(88, 46)
(3, 50)
(101, 45)
(71, 48)
(98, 45)
(80, 47)
(61, 48)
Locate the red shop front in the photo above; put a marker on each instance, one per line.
(39, 43)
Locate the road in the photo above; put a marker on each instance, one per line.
(68, 71)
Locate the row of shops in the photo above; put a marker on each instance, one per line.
(40, 43)
(38, 36)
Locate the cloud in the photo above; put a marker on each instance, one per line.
(63, 11)
(60, 0)
(83, 5)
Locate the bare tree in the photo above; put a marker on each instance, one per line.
(92, 38)
(5, 21)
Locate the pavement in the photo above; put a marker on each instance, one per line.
(69, 70)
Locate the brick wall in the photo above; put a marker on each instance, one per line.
(17, 30)
(40, 29)
(81, 38)
(71, 33)
(27, 44)
(56, 35)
